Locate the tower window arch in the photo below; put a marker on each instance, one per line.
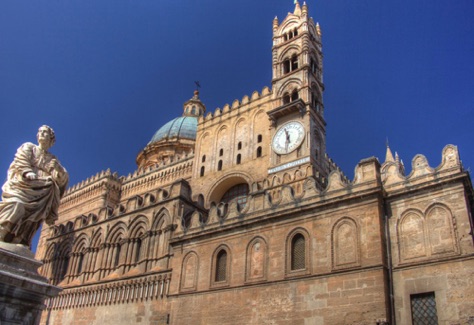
(290, 64)
(221, 266)
(294, 95)
(239, 145)
(219, 165)
(202, 171)
(203, 158)
(239, 159)
(221, 152)
(259, 138)
(294, 62)
(286, 66)
(259, 152)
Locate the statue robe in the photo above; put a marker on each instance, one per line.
(25, 203)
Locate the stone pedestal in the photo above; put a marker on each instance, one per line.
(22, 289)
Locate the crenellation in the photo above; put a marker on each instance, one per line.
(422, 173)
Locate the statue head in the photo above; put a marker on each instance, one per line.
(46, 137)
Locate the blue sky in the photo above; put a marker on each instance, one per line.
(107, 74)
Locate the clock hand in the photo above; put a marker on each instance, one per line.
(287, 141)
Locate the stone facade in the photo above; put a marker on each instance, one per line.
(220, 227)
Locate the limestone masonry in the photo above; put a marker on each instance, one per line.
(238, 216)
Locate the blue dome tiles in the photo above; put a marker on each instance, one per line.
(182, 128)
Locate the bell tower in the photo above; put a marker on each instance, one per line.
(298, 126)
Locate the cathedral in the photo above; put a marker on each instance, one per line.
(238, 216)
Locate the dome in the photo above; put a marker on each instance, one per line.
(183, 127)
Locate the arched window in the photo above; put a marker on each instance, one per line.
(117, 256)
(286, 98)
(298, 252)
(239, 145)
(203, 159)
(221, 266)
(294, 95)
(259, 152)
(219, 165)
(79, 263)
(202, 171)
(237, 193)
(221, 152)
(286, 66)
(239, 158)
(294, 63)
(138, 249)
(259, 138)
(63, 270)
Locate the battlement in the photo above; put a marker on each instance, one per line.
(102, 185)
(236, 106)
(146, 179)
(395, 181)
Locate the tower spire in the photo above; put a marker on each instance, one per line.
(388, 154)
(297, 8)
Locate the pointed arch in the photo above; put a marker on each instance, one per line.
(117, 233)
(441, 234)
(79, 254)
(189, 275)
(290, 85)
(81, 243)
(291, 50)
(345, 243)
(93, 262)
(48, 262)
(157, 250)
(61, 261)
(221, 264)
(257, 259)
(134, 250)
(298, 252)
(138, 226)
(411, 235)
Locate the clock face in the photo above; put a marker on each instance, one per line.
(288, 137)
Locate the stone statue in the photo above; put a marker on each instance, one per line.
(35, 184)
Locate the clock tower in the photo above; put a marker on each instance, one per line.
(297, 119)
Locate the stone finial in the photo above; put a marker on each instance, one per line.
(275, 23)
(304, 10)
(297, 10)
(389, 155)
(318, 29)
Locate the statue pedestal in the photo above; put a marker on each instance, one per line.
(22, 289)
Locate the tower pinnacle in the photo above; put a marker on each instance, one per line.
(389, 155)
(297, 8)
